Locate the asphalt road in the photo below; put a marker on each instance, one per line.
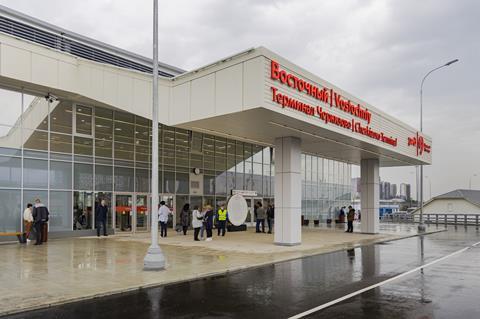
(448, 288)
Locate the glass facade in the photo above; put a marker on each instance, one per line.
(71, 156)
(326, 187)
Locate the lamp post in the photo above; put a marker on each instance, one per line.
(154, 260)
(429, 186)
(421, 225)
(470, 182)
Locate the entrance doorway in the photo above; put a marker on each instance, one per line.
(99, 196)
(83, 210)
(123, 212)
(142, 212)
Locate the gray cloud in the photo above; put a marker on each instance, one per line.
(377, 50)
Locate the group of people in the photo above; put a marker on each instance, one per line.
(261, 214)
(201, 220)
(36, 217)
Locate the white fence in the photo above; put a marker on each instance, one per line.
(438, 219)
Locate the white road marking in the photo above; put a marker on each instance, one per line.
(358, 292)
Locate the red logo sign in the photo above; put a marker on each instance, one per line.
(420, 144)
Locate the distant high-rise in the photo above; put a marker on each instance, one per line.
(405, 191)
(393, 191)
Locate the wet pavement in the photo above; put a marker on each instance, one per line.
(447, 289)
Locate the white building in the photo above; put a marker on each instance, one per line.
(460, 201)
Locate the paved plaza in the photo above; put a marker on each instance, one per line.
(73, 269)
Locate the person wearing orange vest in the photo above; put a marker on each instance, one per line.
(222, 219)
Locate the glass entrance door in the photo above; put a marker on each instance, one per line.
(142, 212)
(107, 197)
(83, 214)
(123, 212)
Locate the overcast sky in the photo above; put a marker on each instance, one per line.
(377, 50)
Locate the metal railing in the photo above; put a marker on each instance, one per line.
(436, 219)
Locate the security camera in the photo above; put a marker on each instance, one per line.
(51, 98)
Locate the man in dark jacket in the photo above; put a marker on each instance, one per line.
(270, 217)
(40, 217)
(101, 217)
(350, 218)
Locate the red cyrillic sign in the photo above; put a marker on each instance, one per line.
(329, 97)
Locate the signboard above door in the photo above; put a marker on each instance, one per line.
(244, 193)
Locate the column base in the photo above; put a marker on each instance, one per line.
(287, 244)
(422, 227)
(154, 260)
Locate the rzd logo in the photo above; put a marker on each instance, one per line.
(420, 143)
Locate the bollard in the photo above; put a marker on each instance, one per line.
(428, 218)
(455, 219)
(476, 221)
(436, 219)
(445, 220)
(465, 220)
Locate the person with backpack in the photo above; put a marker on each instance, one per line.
(40, 218)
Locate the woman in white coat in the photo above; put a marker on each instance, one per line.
(197, 222)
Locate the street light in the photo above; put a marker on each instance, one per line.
(430, 186)
(470, 182)
(154, 260)
(421, 225)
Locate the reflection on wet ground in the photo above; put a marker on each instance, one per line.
(448, 289)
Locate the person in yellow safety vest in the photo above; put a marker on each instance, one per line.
(222, 216)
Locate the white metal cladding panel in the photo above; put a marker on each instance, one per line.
(229, 89)
(203, 97)
(379, 122)
(15, 62)
(44, 69)
(180, 110)
(253, 82)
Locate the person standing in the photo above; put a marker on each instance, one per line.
(185, 218)
(222, 219)
(40, 217)
(28, 221)
(197, 222)
(270, 217)
(260, 218)
(208, 222)
(101, 212)
(350, 218)
(163, 213)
